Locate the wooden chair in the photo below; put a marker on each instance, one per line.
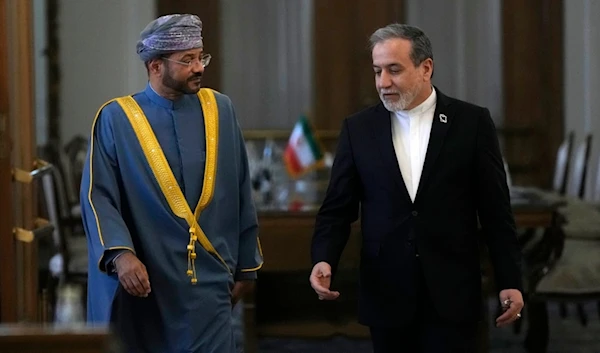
(576, 188)
(75, 153)
(69, 263)
(573, 186)
(530, 239)
(559, 184)
(67, 198)
(596, 201)
(596, 193)
(569, 277)
(561, 167)
(577, 181)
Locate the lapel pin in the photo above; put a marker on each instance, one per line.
(443, 118)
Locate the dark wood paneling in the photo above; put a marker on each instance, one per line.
(19, 274)
(54, 76)
(209, 13)
(344, 80)
(533, 84)
(335, 63)
(8, 294)
(23, 121)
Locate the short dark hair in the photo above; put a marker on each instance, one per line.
(421, 45)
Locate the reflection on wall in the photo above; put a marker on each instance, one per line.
(267, 60)
(467, 48)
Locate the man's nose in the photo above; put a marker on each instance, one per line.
(384, 80)
(198, 67)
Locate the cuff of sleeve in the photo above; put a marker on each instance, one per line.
(512, 282)
(245, 276)
(109, 259)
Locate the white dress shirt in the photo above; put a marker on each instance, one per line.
(410, 135)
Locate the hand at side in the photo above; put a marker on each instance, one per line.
(512, 303)
(320, 281)
(132, 274)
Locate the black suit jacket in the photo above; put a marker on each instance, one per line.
(463, 177)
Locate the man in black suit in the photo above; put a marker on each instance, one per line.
(422, 168)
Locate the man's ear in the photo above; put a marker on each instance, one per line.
(427, 65)
(154, 66)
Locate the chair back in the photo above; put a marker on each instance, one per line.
(75, 153)
(579, 168)
(562, 165)
(596, 194)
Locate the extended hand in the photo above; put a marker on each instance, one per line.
(320, 281)
(240, 288)
(133, 275)
(512, 303)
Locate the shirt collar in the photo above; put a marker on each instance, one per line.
(162, 101)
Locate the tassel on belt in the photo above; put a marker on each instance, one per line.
(191, 248)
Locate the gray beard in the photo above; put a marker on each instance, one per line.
(404, 100)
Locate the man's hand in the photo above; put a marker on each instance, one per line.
(512, 303)
(320, 281)
(240, 288)
(132, 274)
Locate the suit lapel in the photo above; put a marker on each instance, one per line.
(442, 119)
(382, 135)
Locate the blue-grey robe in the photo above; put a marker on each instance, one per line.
(123, 207)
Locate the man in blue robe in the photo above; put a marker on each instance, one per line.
(166, 203)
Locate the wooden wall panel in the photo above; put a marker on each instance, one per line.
(18, 274)
(22, 117)
(209, 13)
(344, 81)
(54, 70)
(533, 85)
(8, 312)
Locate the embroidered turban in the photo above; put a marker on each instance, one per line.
(168, 34)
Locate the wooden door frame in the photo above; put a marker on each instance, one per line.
(8, 295)
(18, 274)
(23, 120)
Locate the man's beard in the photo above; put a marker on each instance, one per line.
(182, 87)
(404, 99)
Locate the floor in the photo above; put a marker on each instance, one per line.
(566, 336)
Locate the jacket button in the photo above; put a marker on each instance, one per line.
(415, 213)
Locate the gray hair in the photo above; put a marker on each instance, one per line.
(421, 46)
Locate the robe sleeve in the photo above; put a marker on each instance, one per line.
(100, 196)
(250, 257)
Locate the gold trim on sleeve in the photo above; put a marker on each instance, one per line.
(261, 256)
(92, 173)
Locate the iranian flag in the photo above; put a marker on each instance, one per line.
(303, 152)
